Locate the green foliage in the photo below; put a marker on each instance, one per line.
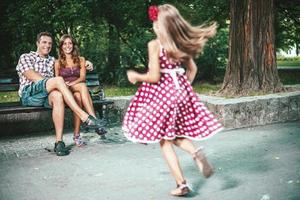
(287, 27)
(214, 56)
(27, 18)
(112, 34)
(290, 77)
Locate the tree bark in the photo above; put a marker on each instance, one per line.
(252, 59)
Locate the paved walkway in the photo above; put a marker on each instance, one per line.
(261, 163)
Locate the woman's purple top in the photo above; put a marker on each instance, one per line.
(69, 73)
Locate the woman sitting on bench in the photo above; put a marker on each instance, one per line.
(71, 67)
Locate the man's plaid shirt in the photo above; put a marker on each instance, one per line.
(32, 60)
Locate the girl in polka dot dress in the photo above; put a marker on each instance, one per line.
(165, 109)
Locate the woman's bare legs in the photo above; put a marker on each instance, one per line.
(199, 157)
(77, 137)
(58, 83)
(85, 97)
(76, 119)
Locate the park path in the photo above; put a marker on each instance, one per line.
(257, 163)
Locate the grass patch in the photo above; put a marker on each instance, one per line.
(202, 88)
(287, 78)
(9, 97)
(287, 63)
(206, 88)
(112, 91)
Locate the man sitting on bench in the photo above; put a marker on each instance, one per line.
(39, 87)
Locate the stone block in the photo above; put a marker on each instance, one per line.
(273, 110)
(293, 108)
(283, 110)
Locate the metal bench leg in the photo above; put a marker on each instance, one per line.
(100, 112)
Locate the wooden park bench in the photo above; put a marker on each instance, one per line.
(11, 83)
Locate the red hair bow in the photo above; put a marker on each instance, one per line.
(153, 12)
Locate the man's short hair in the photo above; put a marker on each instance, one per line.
(38, 37)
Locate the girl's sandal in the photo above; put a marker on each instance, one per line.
(181, 189)
(202, 163)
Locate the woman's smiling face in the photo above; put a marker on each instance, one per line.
(67, 46)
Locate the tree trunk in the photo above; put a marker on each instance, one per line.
(252, 59)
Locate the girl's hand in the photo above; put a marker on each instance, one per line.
(132, 76)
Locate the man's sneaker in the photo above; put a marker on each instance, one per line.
(60, 149)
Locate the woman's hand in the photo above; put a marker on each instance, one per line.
(132, 76)
(68, 83)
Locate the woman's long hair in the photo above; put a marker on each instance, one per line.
(180, 39)
(74, 53)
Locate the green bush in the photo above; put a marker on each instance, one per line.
(215, 56)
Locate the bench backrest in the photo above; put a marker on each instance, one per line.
(9, 82)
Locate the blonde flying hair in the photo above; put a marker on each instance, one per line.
(75, 51)
(180, 39)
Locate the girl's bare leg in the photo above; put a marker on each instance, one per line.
(173, 163)
(199, 157)
(185, 144)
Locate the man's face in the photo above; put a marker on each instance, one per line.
(44, 46)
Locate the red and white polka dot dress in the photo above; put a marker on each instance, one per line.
(166, 111)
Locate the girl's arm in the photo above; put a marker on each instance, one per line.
(56, 68)
(82, 73)
(153, 75)
(191, 69)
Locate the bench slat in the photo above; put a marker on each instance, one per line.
(6, 80)
(91, 83)
(21, 109)
(16, 107)
(102, 102)
(9, 87)
(92, 76)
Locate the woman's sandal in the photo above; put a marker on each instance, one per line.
(181, 189)
(202, 163)
(78, 141)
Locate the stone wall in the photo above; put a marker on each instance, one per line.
(256, 110)
(233, 113)
(244, 111)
